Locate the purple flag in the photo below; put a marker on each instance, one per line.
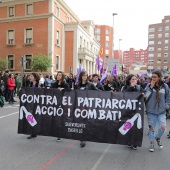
(104, 76)
(115, 70)
(78, 73)
(102, 68)
(98, 63)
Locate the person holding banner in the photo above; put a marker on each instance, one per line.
(157, 101)
(60, 84)
(34, 82)
(96, 82)
(131, 86)
(84, 84)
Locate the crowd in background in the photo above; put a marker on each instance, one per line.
(157, 104)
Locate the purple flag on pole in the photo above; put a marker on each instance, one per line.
(78, 73)
(104, 76)
(102, 68)
(114, 71)
(98, 63)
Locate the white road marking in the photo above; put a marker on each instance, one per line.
(9, 115)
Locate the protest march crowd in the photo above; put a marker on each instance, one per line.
(154, 88)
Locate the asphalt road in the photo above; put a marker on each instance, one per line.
(19, 153)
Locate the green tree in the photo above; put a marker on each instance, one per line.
(41, 62)
(3, 64)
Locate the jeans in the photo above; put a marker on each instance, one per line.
(152, 120)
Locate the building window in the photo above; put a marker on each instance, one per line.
(151, 42)
(107, 45)
(29, 9)
(28, 59)
(58, 12)
(159, 55)
(57, 62)
(97, 31)
(68, 19)
(151, 36)
(158, 67)
(107, 31)
(159, 35)
(166, 27)
(160, 28)
(150, 48)
(159, 61)
(151, 29)
(166, 34)
(159, 42)
(107, 52)
(159, 48)
(10, 62)
(11, 11)
(58, 37)
(166, 48)
(166, 41)
(165, 60)
(10, 37)
(107, 38)
(97, 37)
(165, 54)
(165, 67)
(150, 61)
(29, 35)
(167, 20)
(150, 55)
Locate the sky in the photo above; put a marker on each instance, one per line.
(132, 22)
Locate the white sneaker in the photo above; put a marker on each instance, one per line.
(151, 148)
(159, 142)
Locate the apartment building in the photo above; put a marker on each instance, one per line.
(132, 58)
(29, 27)
(104, 35)
(159, 45)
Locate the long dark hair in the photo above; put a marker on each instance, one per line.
(81, 75)
(128, 78)
(63, 77)
(158, 72)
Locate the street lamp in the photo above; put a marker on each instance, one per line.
(120, 56)
(113, 35)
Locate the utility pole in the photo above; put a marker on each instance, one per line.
(113, 35)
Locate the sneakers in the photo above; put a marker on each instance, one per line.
(59, 139)
(151, 148)
(82, 144)
(168, 136)
(159, 142)
(31, 136)
(134, 147)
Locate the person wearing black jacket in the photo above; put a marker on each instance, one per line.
(131, 86)
(84, 84)
(60, 84)
(96, 82)
(34, 79)
(70, 80)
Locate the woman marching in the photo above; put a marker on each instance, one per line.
(131, 86)
(157, 101)
(60, 84)
(84, 84)
(34, 80)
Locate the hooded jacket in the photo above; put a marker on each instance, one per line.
(152, 105)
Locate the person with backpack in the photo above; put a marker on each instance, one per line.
(157, 101)
(131, 86)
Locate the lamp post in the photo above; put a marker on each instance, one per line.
(113, 35)
(120, 55)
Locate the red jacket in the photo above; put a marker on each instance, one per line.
(11, 84)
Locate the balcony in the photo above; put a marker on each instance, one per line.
(85, 52)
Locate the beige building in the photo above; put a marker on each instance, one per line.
(29, 27)
(159, 45)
